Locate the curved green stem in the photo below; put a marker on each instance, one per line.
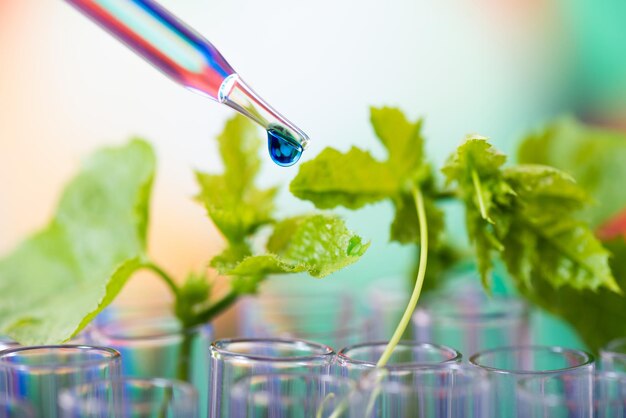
(169, 281)
(421, 273)
(217, 307)
(320, 409)
(375, 393)
(406, 318)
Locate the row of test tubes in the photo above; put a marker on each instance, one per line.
(468, 356)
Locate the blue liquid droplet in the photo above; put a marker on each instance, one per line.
(284, 150)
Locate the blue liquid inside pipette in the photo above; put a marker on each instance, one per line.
(284, 150)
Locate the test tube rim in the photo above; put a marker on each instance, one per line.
(114, 355)
(589, 362)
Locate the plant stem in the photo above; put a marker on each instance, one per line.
(182, 372)
(421, 273)
(217, 307)
(320, 409)
(165, 402)
(169, 281)
(479, 195)
(375, 394)
(406, 318)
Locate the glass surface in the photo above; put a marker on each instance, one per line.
(602, 395)
(613, 356)
(357, 360)
(232, 359)
(131, 398)
(153, 344)
(471, 321)
(37, 375)
(447, 391)
(292, 396)
(508, 365)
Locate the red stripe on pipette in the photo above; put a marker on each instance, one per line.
(207, 80)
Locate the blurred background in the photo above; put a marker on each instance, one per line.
(498, 68)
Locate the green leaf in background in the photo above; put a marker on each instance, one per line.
(598, 316)
(236, 206)
(593, 156)
(56, 281)
(355, 179)
(528, 214)
(564, 249)
(318, 244)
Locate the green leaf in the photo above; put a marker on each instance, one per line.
(565, 250)
(237, 207)
(318, 244)
(239, 145)
(594, 156)
(56, 281)
(352, 180)
(405, 226)
(548, 190)
(355, 179)
(476, 168)
(231, 256)
(402, 138)
(528, 215)
(597, 315)
(264, 265)
(474, 155)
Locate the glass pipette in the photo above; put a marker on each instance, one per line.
(178, 51)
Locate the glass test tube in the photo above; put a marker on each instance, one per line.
(472, 322)
(508, 365)
(37, 375)
(613, 356)
(153, 343)
(602, 395)
(232, 359)
(360, 359)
